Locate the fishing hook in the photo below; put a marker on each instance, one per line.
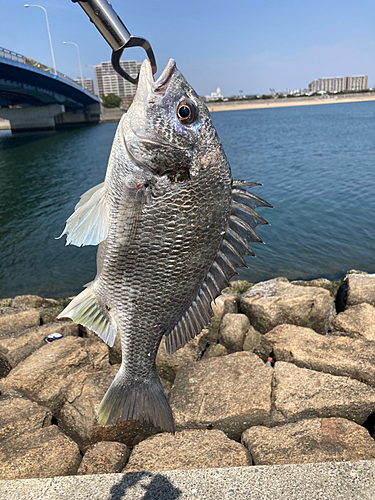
(115, 33)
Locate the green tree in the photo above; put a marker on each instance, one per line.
(111, 100)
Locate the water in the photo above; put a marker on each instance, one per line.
(316, 164)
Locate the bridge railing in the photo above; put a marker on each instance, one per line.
(13, 56)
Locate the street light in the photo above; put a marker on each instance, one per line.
(79, 60)
(49, 34)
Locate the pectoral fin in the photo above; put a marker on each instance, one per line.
(88, 225)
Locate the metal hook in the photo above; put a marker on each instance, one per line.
(115, 33)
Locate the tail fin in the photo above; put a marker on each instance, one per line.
(134, 400)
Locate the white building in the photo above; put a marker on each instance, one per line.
(109, 82)
(214, 96)
(88, 84)
(339, 84)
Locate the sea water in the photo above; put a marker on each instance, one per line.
(316, 165)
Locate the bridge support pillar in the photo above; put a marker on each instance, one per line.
(32, 118)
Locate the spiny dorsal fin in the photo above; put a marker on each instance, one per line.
(85, 310)
(88, 225)
(240, 231)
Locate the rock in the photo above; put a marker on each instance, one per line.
(354, 358)
(252, 340)
(45, 452)
(309, 441)
(48, 308)
(229, 393)
(19, 415)
(77, 417)
(300, 393)
(168, 365)
(224, 304)
(5, 366)
(356, 287)
(237, 287)
(32, 302)
(18, 346)
(356, 322)
(214, 351)
(191, 449)
(5, 302)
(331, 286)
(233, 330)
(276, 301)
(16, 320)
(106, 457)
(46, 374)
(319, 283)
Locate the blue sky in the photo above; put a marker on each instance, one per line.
(244, 45)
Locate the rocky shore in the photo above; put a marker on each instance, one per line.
(315, 403)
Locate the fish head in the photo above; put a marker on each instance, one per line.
(168, 128)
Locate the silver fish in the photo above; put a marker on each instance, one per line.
(172, 227)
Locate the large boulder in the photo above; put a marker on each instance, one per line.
(18, 346)
(46, 452)
(233, 330)
(191, 449)
(19, 415)
(229, 393)
(15, 320)
(106, 457)
(46, 374)
(300, 393)
(356, 288)
(77, 417)
(318, 440)
(277, 301)
(356, 322)
(168, 365)
(354, 358)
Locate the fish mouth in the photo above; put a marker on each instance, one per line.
(159, 86)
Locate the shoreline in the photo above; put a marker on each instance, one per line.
(286, 103)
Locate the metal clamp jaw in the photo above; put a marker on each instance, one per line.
(115, 33)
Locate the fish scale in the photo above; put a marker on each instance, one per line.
(172, 228)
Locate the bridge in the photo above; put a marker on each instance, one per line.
(33, 97)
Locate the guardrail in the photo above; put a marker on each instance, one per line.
(13, 56)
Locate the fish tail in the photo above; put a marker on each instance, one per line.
(128, 399)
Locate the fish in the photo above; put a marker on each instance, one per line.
(172, 228)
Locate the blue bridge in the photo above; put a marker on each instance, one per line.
(32, 97)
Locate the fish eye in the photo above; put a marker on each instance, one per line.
(187, 112)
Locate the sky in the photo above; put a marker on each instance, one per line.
(248, 45)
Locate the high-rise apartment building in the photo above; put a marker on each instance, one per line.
(109, 82)
(339, 84)
(88, 84)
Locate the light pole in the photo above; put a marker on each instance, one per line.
(79, 60)
(49, 34)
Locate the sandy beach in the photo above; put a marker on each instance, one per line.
(287, 102)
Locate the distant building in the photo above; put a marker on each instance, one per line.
(109, 82)
(214, 96)
(88, 84)
(339, 84)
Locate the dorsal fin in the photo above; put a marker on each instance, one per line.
(234, 246)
